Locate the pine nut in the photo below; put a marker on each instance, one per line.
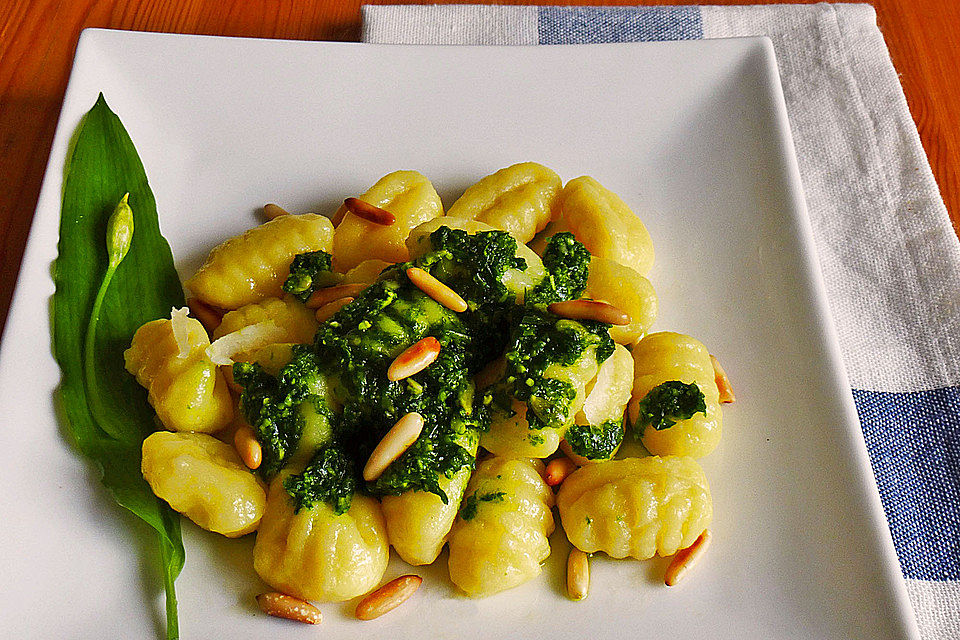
(326, 312)
(398, 439)
(388, 597)
(436, 289)
(558, 469)
(723, 382)
(327, 295)
(685, 559)
(578, 574)
(208, 316)
(247, 446)
(589, 310)
(414, 359)
(280, 605)
(369, 212)
(272, 211)
(338, 216)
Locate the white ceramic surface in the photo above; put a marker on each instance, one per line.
(693, 135)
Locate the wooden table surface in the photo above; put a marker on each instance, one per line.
(38, 38)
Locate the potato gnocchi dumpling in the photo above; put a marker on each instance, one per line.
(418, 522)
(501, 536)
(636, 507)
(409, 196)
(517, 281)
(253, 266)
(366, 272)
(510, 434)
(663, 357)
(520, 199)
(186, 390)
(298, 323)
(627, 290)
(316, 554)
(598, 427)
(604, 224)
(205, 480)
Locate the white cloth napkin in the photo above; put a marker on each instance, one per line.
(890, 258)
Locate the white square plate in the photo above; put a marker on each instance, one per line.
(693, 135)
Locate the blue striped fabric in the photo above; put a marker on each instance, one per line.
(914, 444)
(587, 25)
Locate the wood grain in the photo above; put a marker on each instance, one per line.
(38, 39)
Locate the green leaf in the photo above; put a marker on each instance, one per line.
(109, 417)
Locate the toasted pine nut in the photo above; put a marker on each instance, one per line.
(326, 312)
(388, 597)
(246, 444)
(227, 371)
(398, 439)
(369, 212)
(208, 316)
(280, 605)
(723, 382)
(685, 559)
(338, 216)
(327, 295)
(414, 359)
(272, 211)
(578, 574)
(558, 469)
(436, 289)
(589, 310)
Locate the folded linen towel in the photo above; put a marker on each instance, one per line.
(889, 256)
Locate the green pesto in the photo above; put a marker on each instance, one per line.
(335, 396)
(470, 505)
(308, 272)
(272, 405)
(595, 442)
(539, 340)
(568, 264)
(330, 476)
(358, 345)
(668, 403)
(474, 265)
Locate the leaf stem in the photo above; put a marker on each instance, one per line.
(89, 370)
(173, 622)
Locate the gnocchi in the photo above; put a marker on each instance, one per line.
(520, 199)
(500, 538)
(409, 196)
(418, 522)
(316, 554)
(254, 265)
(663, 357)
(296, 321)
(604, 224)
(598, 427)
(636, 507)
(205, 480)
(627, 290)
(517, 281)
(186, 389)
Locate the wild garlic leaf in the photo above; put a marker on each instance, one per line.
(109, 416)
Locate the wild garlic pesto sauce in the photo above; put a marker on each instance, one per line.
(335, 395)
